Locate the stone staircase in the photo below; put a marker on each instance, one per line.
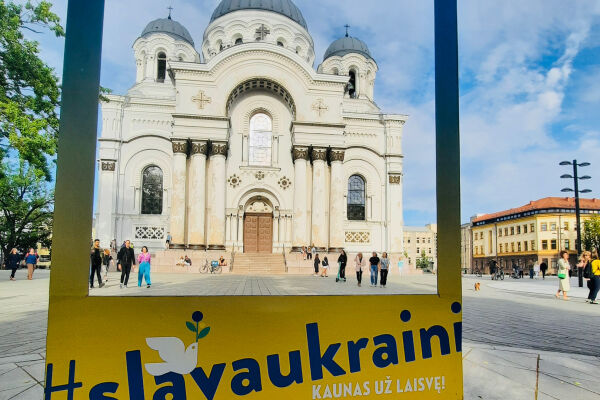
(258, 264)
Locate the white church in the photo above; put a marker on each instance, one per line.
(238, 144)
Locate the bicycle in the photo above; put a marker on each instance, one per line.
(214, 268)
(498, 275)
(477, 272)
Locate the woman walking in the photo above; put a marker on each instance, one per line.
(325, 265)
(12, 263)
(342, 260)
(374, 261)
(31, 261)
(563, 275)
(595, 278)
(144, 267)
(359, 262)
(303, 251)
(317, 262)
(385, 265)
(106, 260)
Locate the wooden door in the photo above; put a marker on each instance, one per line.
(258, 233)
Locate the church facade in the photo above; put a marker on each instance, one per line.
(242, 145)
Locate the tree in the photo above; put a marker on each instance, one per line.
(26, 204)
(423, 262)
(590, 238)
(29, 90)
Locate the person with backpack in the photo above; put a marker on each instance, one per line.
(592, 270)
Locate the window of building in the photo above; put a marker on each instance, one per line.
(259, 147)
(430, 250)
(152, 190)
(512, 247)
(553, 244)
(566, 226)
(518, 229)
(501, 248)
(533, 245)
(418, 250)
(512, 230)
(408, 240)
(567, 244)
(417, 240)
(428, 240)
(239, 41)
(526, 246)
(524, 228)
(544, 227)
(279, 43)
(499, 232)
(356, 198)
(532, 226)
(161, 67)
(518, 246)
(505, 231)
(544, 245)
(553, 226)
(352, 85)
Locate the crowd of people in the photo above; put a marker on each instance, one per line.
(377, 266)
(15, 260)
(101, 260)
(589, 262)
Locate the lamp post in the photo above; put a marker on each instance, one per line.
(575, 189)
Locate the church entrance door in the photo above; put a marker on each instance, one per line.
(258, 233)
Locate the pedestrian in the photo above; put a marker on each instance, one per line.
(187, 261)
(530, 271)
(374, 262)
(359, 262)
(96, 263)
(30, 261)
(303, 251)
(316, 263)
(144, 267)
(536, 269)
(385, 267)
(342, 260)
(106, 261)
(563, 275)
(594, 274)
(325, 265)
(169, 239)
(543, 268)
(12, 262)
(113, 245)
(126, 259)
(313, 251)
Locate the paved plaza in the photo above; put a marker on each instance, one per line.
(517, 336)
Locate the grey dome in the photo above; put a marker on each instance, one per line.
(170, 27)
(347, 45)
(283, 7)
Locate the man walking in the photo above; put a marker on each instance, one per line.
(126, 259)
(543, 268)
(96, 262)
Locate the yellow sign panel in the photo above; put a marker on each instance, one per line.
(276, 347)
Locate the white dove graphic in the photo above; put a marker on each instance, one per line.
(174, 354)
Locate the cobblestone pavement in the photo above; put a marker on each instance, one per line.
(507, 326)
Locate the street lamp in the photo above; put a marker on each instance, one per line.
(577, 214)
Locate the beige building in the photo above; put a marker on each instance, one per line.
(535, 232)
(417, 240)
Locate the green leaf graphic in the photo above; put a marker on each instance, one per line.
(191, 326)
(203, 333)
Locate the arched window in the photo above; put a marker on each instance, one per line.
(352, 85)
(261, 128)
(279, 43)
(239, 41)
(161, 67)
(356, 198)
(152, 190)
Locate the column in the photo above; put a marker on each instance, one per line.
(395, 220)
(177, 219)
(106, 187)
(300, 157)
(215, 208)
(197, 196)
(276, 230)
(240, 230)
(336, 201)
(320, 199)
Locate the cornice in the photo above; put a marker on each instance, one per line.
(321, 124)
(196, 116)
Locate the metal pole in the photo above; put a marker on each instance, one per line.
(577, 223)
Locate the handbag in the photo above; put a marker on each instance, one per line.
(562, 275)
(587, 271)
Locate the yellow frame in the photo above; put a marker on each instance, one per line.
(97, 339)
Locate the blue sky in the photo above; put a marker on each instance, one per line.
(530, 85)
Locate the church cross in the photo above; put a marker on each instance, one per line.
(346, 26)
(201, 99)
(170, 9)
(320, 107)
(262, 32)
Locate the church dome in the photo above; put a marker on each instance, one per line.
(347, 45)
(284, 7)
(170, 27)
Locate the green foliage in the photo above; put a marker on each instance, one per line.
(423, 262)
(29, 90)
(25, 209)
(590, 237)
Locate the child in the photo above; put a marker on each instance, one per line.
(325, 265)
